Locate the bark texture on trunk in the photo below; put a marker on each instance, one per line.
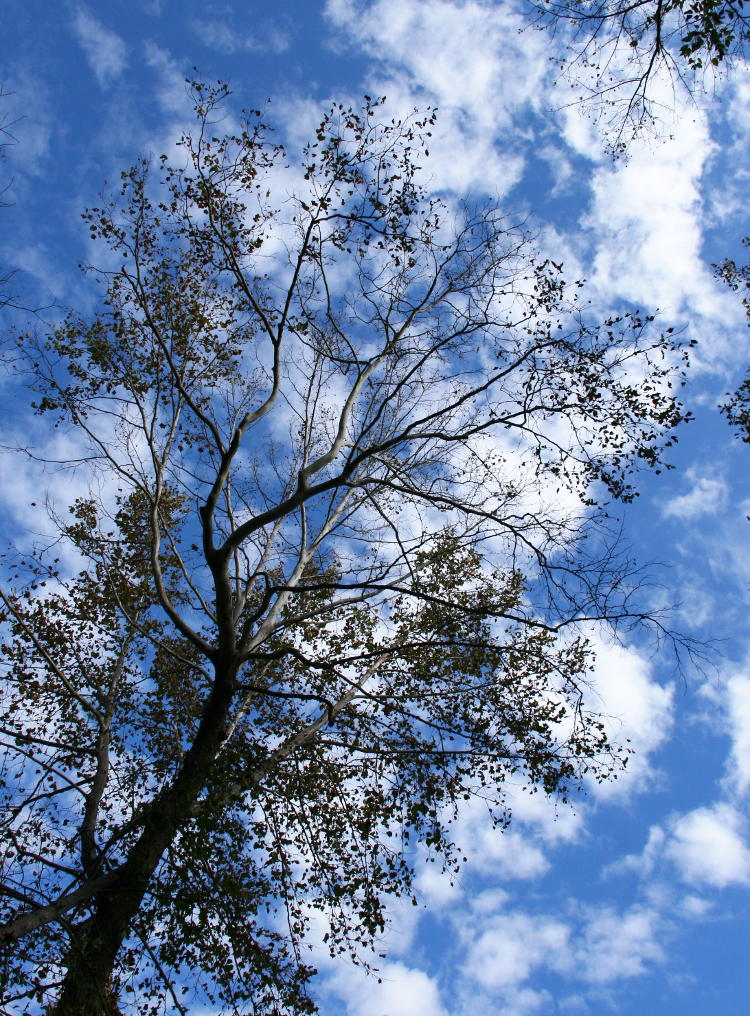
(88, 989)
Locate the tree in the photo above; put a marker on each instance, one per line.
(620, 49)
(350, 452)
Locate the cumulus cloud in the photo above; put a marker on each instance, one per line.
(511, 946)
(509, 855)
(636, 709)
(398, 990)
(538, 823)
(708, 848)
(502, 854)
(645, 226)
(468, 56)
(615, 946)
(549, 819)
(105, 50)
(649, 209)
(436, 887)
(601, 946)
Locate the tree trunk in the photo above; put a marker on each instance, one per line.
(87, 988)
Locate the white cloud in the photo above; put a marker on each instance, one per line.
(28, 113)
(538, 822)
(695, 907)
(514, 1001)
(730, 698)
(615, 946)
(578, 128)
(550, 819)
(502, 854)
(524, 1002)
(511, 946)
(707, 496)
(437, 887)
(486, 75)
(601, 947)
(171, 92)
(636, 709)
(468, 54)
(648, 210)
(105, 50)
(645, 862)
(266, 37)
(398, 990)
(470, 60)
(727, 192)
(738, 710)
(489, 901)
(560, 166)
(509, 855)
(31, 484)
(39, 262)
(707, 847)
(646, 222)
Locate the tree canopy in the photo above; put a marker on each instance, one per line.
(347, 453)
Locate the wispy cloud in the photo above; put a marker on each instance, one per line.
(105, 51)
(738, 708)
(267, 37)
(170, 90)
(472, 61)
(731, 698)
(707, 496)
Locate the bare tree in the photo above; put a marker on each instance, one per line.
(350, 452)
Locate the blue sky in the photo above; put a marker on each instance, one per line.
(634, 899)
